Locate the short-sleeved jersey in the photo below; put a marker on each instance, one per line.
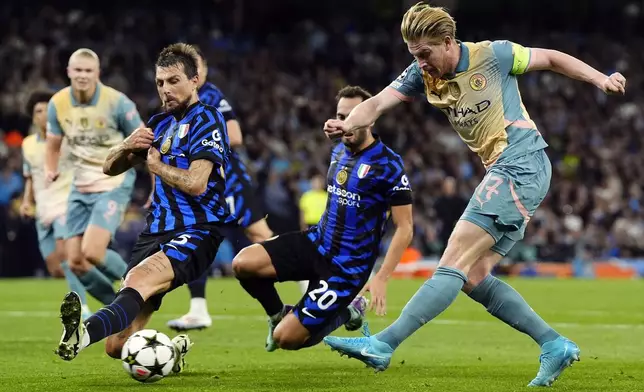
(51, 201)
(361, 189)
(481, 100)
(91, 130)
(200, 134)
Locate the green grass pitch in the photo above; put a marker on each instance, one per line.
(465, 349)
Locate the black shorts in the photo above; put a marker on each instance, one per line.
(295, 257)
(191, 251)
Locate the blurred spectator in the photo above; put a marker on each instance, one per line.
(449, 208)
(282, 81)
(313, 202)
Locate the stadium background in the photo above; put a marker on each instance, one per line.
(280, 64)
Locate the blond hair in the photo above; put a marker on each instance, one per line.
(85, 52)
(422, 21)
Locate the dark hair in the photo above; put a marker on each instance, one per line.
(179, 53)
(353, 92)
(37, 97)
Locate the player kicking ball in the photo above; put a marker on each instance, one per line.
(365, 180)
(475, 85)
(186, 148)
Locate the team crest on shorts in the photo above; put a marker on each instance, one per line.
(341, 177)
(183, 130)
(84, 122)
(363, 170)
(478, 82)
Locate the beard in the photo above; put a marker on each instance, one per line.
(178, 106)
(358, 138)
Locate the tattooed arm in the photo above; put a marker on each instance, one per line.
(121, 158)
(193, 181)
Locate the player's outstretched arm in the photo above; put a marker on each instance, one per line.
(402, 218)
(363, 115)
(122, 157)
(553, 60)
(193, 181)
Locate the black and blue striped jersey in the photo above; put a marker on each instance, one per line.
(200, 134)
(361, 189)
(239, 184)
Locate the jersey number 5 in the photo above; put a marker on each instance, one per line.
(325, 300)
(181, 240)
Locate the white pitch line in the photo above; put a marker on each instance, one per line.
(224, 317)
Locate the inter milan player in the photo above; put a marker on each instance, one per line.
(240, 197)
(187, 150)
(366, 180)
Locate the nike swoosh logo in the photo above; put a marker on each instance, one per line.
(172, 246)
(364, 353)
(306, 312)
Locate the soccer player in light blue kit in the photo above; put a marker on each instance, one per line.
(93, 118)
(475, 85)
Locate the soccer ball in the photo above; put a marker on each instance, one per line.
(148, 355)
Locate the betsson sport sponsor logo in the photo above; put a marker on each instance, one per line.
(214, 143)
(344, 197)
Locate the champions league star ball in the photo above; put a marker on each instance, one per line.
(148, 355)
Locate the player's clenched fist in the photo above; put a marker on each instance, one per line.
(614, 84)
(141, 139)
(334, 128)
(154, 159)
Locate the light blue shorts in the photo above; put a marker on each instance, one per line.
(48, 235)
(508, 196)
(102, 209)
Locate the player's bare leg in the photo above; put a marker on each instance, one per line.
(154, 275)
(58, 266)
(94, 281)
(259, 231)
(506, 304)
(94, 248)
(55, 259)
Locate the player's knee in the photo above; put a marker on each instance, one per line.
(53, 266)
(114, 346)
(93, 254)
(148, 280)
(287, 341)
(137, 279)
(243, 263)
(465, 246)
(78, 265)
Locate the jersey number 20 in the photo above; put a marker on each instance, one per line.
(325, 300)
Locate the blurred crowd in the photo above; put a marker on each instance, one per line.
(282, 87)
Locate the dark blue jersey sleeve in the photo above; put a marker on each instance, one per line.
(208, 139)
(398, 187)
